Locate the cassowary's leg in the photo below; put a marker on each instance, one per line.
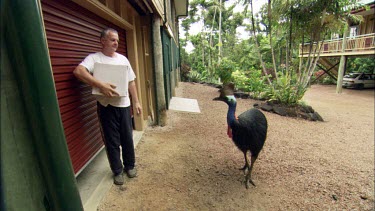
(248, 176)
(246, 166)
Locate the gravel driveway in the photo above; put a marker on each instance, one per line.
(191, 164)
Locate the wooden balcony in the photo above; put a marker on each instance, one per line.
(355, 46)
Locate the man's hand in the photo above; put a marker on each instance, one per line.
(138, 108)
(133, 94)
(108, 90)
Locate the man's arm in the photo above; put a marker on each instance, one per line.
(83, 75)
(134, 95)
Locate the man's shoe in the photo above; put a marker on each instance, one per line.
(118, 179)
(131, 173)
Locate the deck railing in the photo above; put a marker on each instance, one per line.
(354, 45)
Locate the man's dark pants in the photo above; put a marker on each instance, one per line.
(117, 129)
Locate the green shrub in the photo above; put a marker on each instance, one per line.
(286, 91)
(252, 82)
(257, 84)
(328, 80)
(224, 70)
(194, 76)
(241, 81)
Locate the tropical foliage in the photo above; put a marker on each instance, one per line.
(365, 65)
(266, 63)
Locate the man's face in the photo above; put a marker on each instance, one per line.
(110, 42)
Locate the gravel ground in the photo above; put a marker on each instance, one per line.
(191, 164)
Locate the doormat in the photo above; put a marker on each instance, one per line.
(184, 104)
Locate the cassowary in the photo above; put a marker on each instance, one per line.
(248, 131)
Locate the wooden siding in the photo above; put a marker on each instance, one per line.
(368, 25)
(159, 5)
(73, 33)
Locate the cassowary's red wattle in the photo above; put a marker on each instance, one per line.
(229, 131)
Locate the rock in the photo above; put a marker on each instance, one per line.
(240, 94)
(317, 117)
(311, 117)
(280, 110)
(292, 112)
(245, 96)
(300, 111)
(305, 116)
(307, 109)
(266, 107)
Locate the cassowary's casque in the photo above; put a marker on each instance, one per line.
(248, 131)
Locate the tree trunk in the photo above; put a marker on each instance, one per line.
(210, 68)
(270, 37)
(161, 108)
(257, 44)
(220, 42)
(288, 54)
(315, 58)
(203, 38)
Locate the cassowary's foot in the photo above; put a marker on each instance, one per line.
(248, 175)
(244, 168)
(247, 184)
(249, 180)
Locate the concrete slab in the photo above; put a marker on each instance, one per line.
(184, 104)
(96, 179)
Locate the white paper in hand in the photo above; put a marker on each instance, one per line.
(114, 74)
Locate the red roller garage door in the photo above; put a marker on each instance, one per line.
(73, 33)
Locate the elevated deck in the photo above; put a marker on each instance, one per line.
(355, 46)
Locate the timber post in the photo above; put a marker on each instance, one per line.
(161, 109)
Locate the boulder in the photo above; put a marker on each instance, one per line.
(266, 107)
(317, 117)
(280, 110)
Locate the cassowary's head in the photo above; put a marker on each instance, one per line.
(227, 94)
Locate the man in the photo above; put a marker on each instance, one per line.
(114, 111)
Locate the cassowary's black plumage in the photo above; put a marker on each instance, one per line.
(249, 130)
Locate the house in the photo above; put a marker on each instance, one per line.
(50, 129)
(359, 43)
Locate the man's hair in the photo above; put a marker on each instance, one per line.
(106, 31)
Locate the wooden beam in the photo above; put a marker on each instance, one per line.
(104, 12)
(327, 72)
(352, 53)
(132, 46)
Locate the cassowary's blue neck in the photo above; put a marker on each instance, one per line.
(231, 112)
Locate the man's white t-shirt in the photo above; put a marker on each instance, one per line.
(118, 59)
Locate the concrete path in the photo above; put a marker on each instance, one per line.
(96, 179)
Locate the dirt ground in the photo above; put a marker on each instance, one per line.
(191, 164)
